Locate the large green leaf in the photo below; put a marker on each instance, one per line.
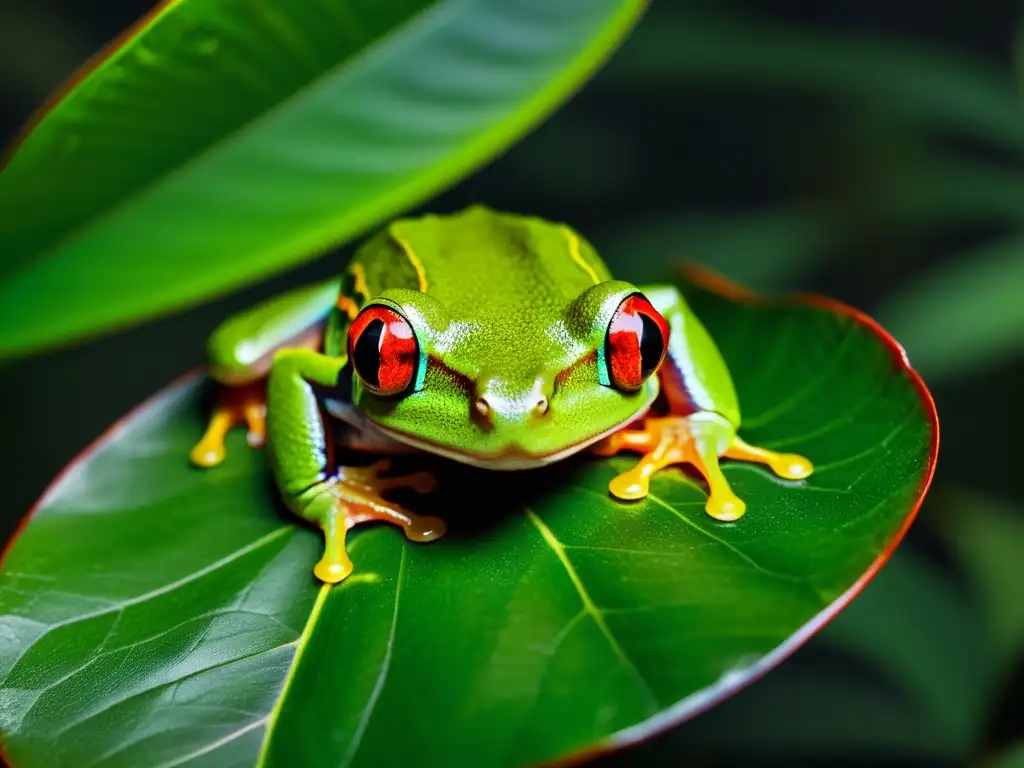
(160, 615)
(222, 141)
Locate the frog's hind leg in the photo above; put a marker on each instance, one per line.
(241, 350)
(240, 404)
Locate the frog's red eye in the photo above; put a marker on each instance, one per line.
(636, 343)
(383, 350)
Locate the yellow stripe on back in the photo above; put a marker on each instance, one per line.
(359, 280)
(421, 275)
(574, 251)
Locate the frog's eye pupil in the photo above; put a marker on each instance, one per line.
(366, 356)
(383, 350)
(636, 343)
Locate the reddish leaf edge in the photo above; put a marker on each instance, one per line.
(732, 682)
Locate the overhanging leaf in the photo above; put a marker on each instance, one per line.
(220, 142)
(160, 615)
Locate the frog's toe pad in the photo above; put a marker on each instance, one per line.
(629, 487)
(332, 571)
(725, 507)
(425, 528)
(792, 467)
(207, 455)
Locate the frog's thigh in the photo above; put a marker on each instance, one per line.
(334, 498)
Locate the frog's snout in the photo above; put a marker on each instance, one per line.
(486, 407)
(498, 404)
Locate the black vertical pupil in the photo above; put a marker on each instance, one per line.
(366, 355)
(651, 346)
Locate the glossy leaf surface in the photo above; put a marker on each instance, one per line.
(160, 615)
(221, 141)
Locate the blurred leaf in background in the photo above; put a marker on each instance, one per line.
(963, 315)
(38, 48)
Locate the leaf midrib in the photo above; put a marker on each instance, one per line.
(300, 646)
(307, 632)
(385, 667)
(556, 547)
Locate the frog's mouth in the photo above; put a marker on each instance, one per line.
(510, 458)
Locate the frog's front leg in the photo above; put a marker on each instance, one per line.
(702, 420)
(241, 350)
(334, 498)
(699, 439)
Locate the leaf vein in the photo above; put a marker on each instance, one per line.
(215, 745)
(590, 607)
(371, 703)
(227, 662)
(790, 403)
(731, 547)
(300, 647)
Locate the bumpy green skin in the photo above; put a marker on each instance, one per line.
(504, 307)
(506, 310)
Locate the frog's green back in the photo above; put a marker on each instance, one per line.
(481, 264)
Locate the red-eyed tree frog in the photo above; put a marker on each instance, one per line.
(493, 339)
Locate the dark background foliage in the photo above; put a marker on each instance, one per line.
(726, 132)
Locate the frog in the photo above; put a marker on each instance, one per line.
(494, 339)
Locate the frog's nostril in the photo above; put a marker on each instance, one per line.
(541, 406)
(482, 406)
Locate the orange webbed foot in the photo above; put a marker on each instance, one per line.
(245, 404)
(357, 499)
(699, 440)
